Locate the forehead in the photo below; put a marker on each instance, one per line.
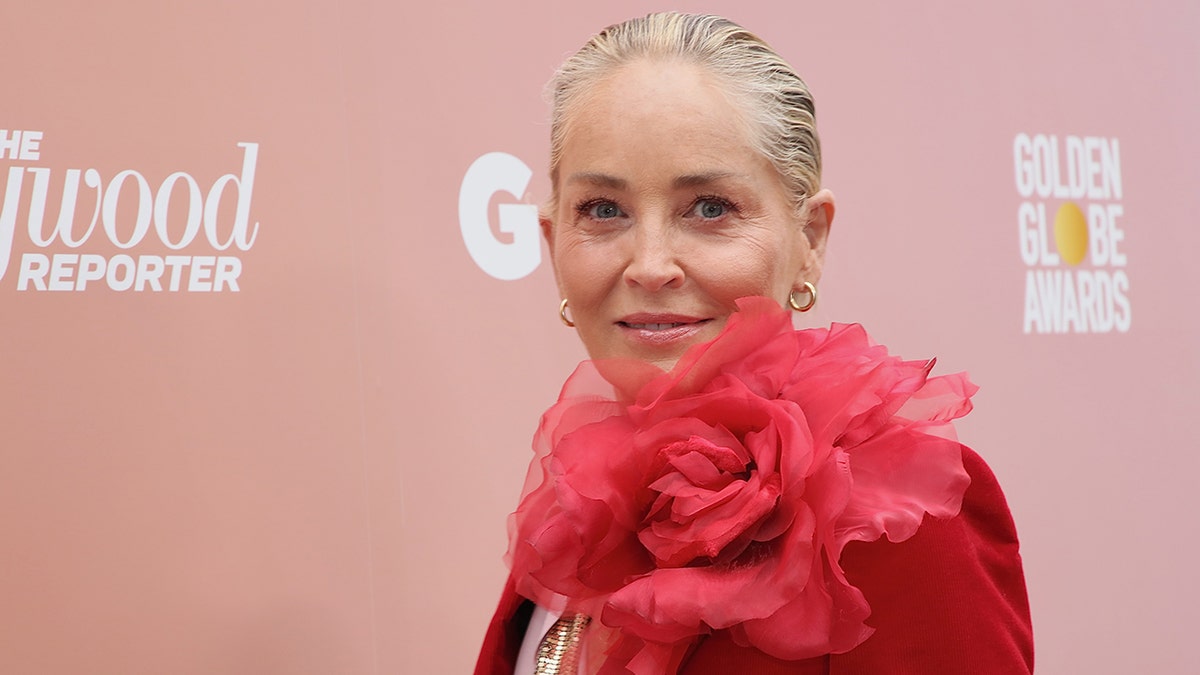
(660, 107)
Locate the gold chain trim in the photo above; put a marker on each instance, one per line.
(558, 653)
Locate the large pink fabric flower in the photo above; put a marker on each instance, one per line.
(719, 495)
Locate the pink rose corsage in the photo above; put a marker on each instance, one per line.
(719, 496)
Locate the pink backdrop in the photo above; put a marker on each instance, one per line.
(311, 473)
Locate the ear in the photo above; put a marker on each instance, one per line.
(819, 210)
(547, 226)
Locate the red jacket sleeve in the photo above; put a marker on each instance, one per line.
(502, 643)
(949, 600)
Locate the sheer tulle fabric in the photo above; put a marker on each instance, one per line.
(719, 495)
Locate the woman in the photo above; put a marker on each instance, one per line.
(715, 492)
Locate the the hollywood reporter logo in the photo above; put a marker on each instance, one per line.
(87, 269)
(1075, 277)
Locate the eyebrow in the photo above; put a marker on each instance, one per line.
(697, 179)
(598, 179)
(688, 180)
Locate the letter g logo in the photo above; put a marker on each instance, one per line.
(492, 173)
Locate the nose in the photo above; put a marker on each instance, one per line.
(654, 261)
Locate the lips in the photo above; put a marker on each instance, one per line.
(652, 326)
(659, 330)
(658, 321)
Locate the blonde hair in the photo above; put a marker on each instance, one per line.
(776, 102)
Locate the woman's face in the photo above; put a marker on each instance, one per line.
(666, 215)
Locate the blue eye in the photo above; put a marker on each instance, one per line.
(710, 208)
(604, 210)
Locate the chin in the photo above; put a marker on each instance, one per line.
(666, 364)
(662, 359)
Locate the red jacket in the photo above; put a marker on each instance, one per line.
(949, 600)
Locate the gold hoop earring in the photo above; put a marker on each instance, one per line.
(562, 314)
(812, 298)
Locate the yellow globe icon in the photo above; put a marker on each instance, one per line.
(1070, 233)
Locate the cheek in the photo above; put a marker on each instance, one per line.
(757, 268)
(586, 270)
